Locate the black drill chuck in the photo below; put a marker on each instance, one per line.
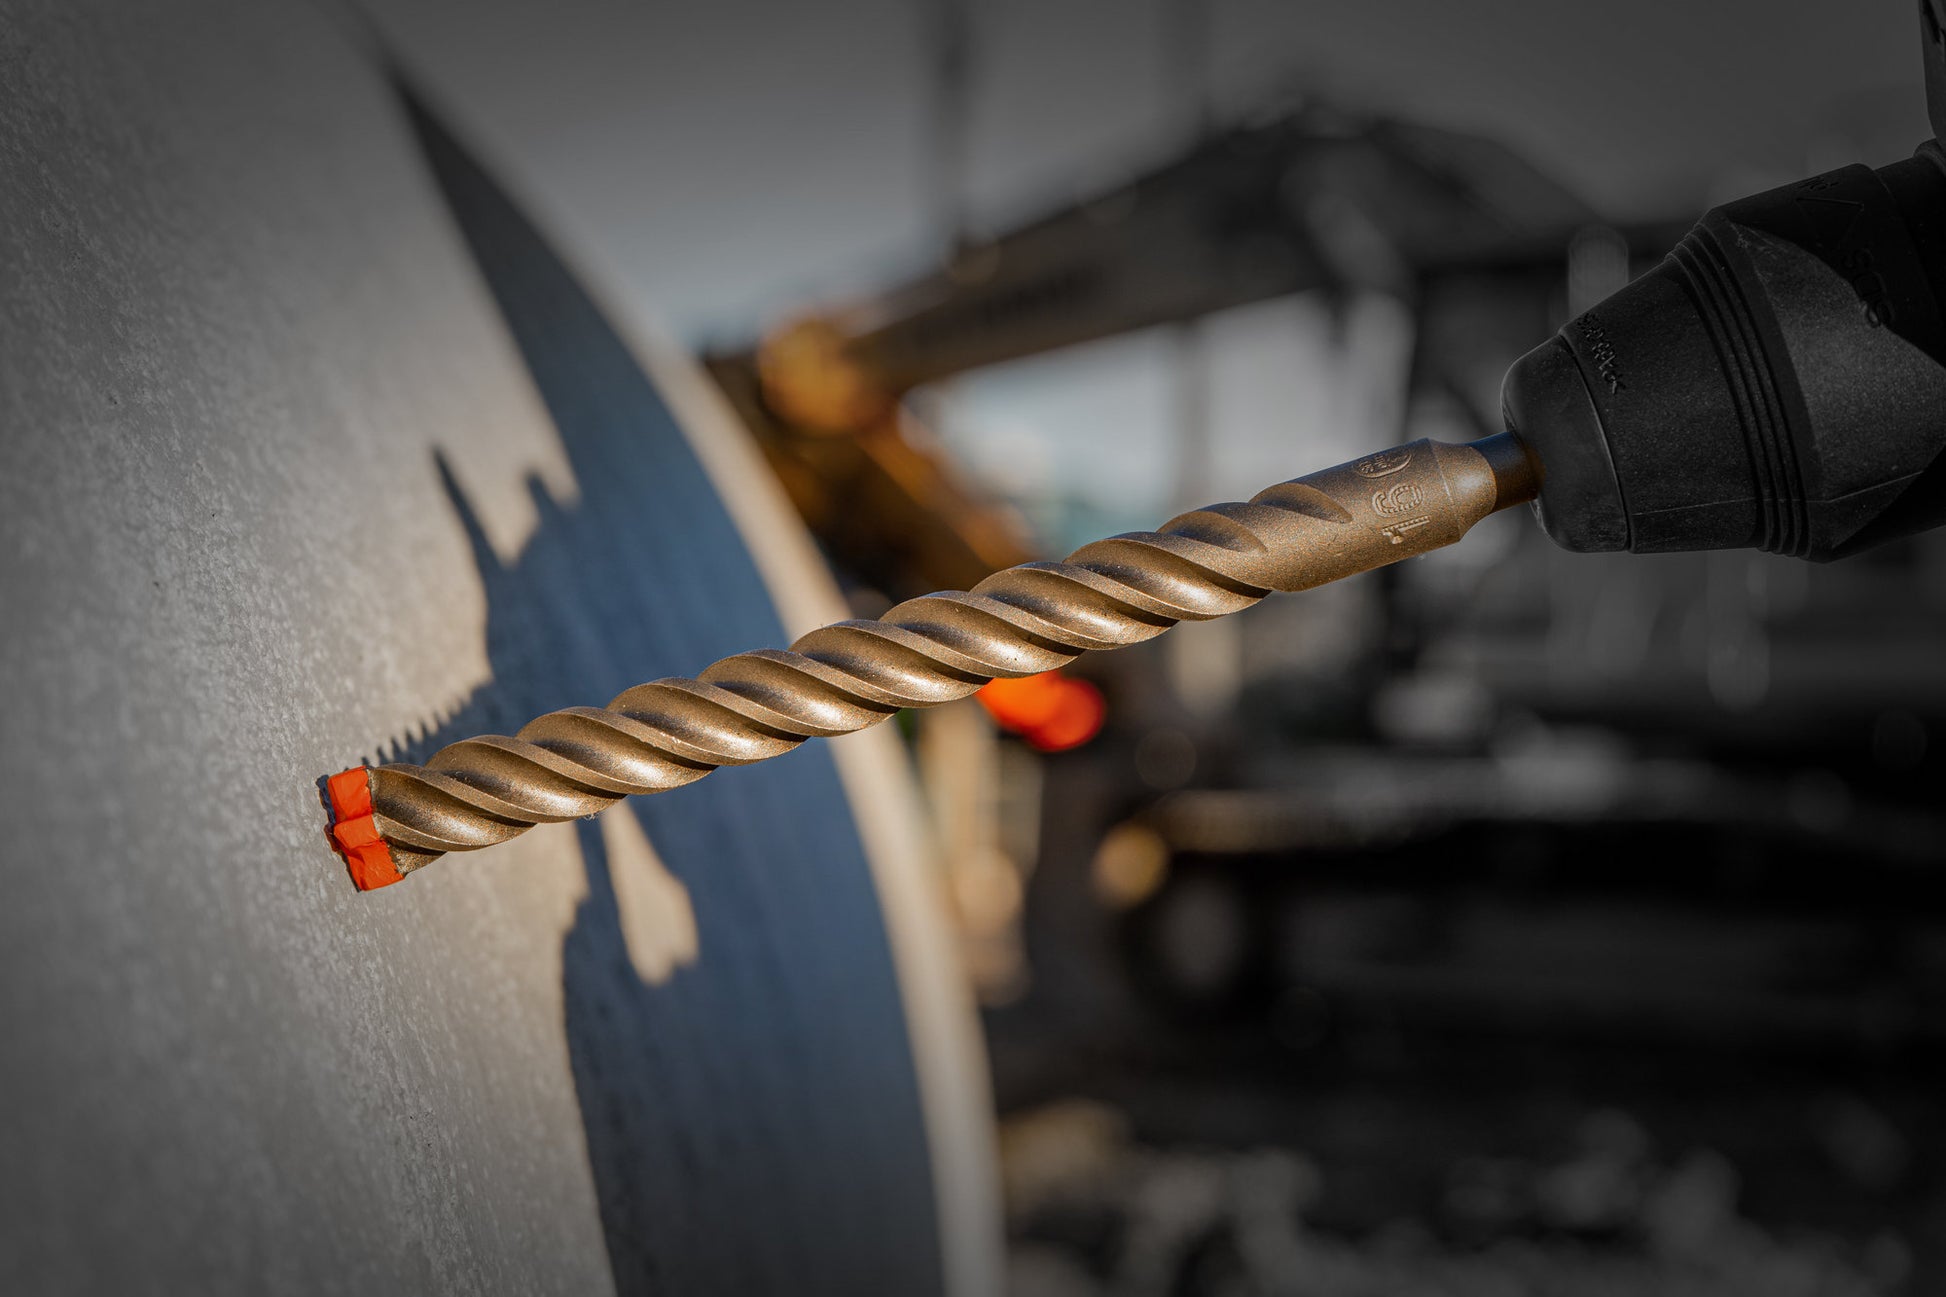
(1778, 382)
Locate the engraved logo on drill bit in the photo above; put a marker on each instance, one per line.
(1397, 532)
(1383, 464)
(1403, 498)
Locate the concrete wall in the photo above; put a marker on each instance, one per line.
(316, 451)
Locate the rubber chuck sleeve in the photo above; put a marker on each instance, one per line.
(1778, 382)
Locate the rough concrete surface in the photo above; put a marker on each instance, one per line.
(314, 453)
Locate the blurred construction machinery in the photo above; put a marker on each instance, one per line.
(1310, 201)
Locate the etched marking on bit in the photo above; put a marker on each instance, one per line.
(1403, 498)
(1383, 464)
(1397, 532)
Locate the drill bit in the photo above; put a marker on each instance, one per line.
(926, 651)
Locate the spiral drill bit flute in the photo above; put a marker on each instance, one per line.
(393, 819)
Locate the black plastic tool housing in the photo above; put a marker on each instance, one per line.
(1778, 382)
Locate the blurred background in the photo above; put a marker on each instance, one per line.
(1508, 922)
(1504, 922)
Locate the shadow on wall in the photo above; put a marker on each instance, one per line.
(754, 1119)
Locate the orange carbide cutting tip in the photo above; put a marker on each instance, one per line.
(354, 832)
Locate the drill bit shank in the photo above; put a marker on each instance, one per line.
(941, 647)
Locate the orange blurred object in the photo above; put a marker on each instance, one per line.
(1053, 712)
(809, 378)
